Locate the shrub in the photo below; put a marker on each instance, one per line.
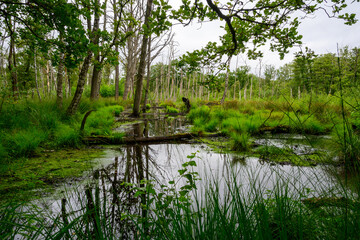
(100, 121)
(171, 109)
(107, 90)
(211, 126)
(202, 112)
(240, 142)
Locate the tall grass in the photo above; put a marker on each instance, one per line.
(27, 125)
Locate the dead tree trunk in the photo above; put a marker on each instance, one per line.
(226, 81)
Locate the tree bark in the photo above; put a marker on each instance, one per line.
(117, 70)
(226, 81)
(12, 62)
(95, 80)
(141, 68)
(97, 65)
(80, 86)
(148, 76)
(59, 82)
(36, 76)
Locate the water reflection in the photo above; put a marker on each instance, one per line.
(157, 126)
(104, 202)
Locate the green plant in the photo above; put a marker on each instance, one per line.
(107, 90)
(170, 109)
(65, 135)
(240, 142)
(24, 142)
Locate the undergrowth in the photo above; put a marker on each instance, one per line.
(26, 126)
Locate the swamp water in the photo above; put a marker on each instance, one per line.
(115, 187)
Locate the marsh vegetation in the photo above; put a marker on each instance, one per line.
(102, 140)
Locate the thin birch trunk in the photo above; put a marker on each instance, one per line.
(226, 81)
(59, 82)
(148, 75)
(36, 76)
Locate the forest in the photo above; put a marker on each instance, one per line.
(108, 133)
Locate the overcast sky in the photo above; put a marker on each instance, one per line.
(320, 34)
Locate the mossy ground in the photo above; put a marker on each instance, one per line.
(278, 155)
(22, 175)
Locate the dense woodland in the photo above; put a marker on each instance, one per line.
(60, 49)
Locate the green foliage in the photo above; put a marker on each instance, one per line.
(202, 113)
(24, 142)
(101, 121)
(65, 135)
(171, 109)
(3, 154)
(240, 142)
(26, 126)
(211, 126)
(109, 90)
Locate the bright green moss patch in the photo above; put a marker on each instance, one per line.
(287, 156)
(45, 170)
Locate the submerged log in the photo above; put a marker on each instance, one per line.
(146, 140)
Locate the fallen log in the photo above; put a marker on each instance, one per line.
(146, 140)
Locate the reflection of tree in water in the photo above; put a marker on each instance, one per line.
(110, 196)
(158, 127)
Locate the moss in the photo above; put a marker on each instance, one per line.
(219, 144)
(45, 170)
(285, 156)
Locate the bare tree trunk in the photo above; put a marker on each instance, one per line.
(97, 65)
(148, 75)
(95, 83)
(239, 91)
(80, 86)
(12, 62)
(168, 76)
(251, 87)
(48, 77)
(234, 97)
(181, 83)
(226, 81)
(69, 72)
(245, 90)
(36, 76)
(117, 70)
(66, 82)
(117, 76)
(59, 82)
(140, 72)
(188, 86)
(156, 90)
(162, 84)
